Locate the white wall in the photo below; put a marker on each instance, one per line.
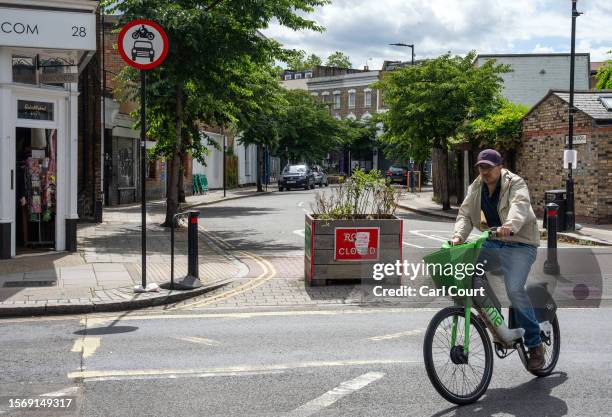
(534, 75)
(214, 162)
(247, 163)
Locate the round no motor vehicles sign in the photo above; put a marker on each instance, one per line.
(143, 44)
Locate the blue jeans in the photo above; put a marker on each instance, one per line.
(515, 260)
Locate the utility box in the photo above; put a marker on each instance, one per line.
(558, 197)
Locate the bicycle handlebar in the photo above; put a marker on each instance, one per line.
(492, 233)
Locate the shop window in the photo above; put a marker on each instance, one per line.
(24, 69)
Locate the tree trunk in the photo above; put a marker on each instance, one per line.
(181, 179)
(172, 202)
(260, 168)
(440, 176)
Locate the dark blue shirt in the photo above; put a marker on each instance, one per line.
(488, 204)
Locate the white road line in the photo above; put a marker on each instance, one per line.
(62, 393)
(174, 376)
(301, 204)
(88, 345)
(418, 233)
(413, 245)
(299, 232)
(237, 368)
(199, 340)
(395, 335)
(330, 397)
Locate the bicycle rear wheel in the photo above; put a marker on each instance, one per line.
(552, 346)
(459, 379)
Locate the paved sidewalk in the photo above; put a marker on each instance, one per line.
(102, 274)
(422, 203)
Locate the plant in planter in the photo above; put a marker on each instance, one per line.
(351, 228)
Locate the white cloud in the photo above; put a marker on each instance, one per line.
(364, 28)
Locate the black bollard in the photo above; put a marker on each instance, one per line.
(192, 245)
(551, 265)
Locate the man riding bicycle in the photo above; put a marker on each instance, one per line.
(500, 199)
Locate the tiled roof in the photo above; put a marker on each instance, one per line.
(589, 103)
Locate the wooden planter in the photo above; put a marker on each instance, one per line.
(348, 249)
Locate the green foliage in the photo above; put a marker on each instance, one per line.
(338, 59)
(500, 129)
(430, 102)
(299, 62)
(359, 136)
(604, 75)
(363, 195)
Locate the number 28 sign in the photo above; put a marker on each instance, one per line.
(143, 44)
(356, 243)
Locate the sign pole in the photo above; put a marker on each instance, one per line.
(143, 171)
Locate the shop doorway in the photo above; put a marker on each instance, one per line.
(35, 191)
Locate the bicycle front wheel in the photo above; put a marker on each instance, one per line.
(458, 377)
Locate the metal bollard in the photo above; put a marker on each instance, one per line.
(192, 245)
(551, 265)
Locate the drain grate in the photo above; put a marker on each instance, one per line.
(24, 284)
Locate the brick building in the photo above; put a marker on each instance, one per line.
(540, 158)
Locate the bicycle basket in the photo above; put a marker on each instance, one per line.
(449, 266)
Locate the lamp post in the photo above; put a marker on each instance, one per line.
(570, 215)
(411, 46)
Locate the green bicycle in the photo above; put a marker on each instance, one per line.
(457, 348)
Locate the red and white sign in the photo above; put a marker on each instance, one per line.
(143, 44)
(356, 243)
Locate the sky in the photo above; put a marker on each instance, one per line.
(363, 29)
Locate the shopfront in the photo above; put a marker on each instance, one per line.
(42, 47)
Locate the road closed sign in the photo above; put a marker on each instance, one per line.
(356, 243)
(143, 44)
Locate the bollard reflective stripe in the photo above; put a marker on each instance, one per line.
(551, 212)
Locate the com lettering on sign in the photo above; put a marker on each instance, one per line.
(356, 243)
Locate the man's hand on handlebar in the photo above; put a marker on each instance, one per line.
(502, 231)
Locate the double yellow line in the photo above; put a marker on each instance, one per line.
(268, 272)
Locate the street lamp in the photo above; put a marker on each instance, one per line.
(411, 46)
(570, 215)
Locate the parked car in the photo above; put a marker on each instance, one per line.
(320, 176)
(296, 176)
(397, 174)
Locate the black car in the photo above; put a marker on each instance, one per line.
(143, 49)
(296, 176)
(397, 174)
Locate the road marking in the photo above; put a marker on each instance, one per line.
(217, 240)
(301, 204)
(200, 340)
(413, 245)
(62, 393)
(299, 232)
(418, 233)
(98, 321)
(395, 335)
(173, 376)
(268, 272)
(86, 345)
(332, 396)
(237, 368)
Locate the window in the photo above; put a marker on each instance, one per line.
(351, 99)
(367, 98)
(607, 102)
(337, 101)
(308, 75)
(287, 77)
(24, 70)
(298, 76)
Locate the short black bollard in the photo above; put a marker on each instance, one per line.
(551, 265)
(192, 279)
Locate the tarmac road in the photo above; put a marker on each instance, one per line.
(282, 362)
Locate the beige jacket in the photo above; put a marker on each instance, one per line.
(514, 209)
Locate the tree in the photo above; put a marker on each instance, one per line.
(430, 102)
(211, 42)
(299, 62)
(500, 129)
(338, 59)
(306, 129)
(604, 74)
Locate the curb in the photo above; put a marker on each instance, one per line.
(579, 240)
(108, 306)
(425, 212)
(206, 203)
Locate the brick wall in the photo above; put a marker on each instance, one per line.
(539, 160)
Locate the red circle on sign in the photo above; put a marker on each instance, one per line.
(125, 56)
